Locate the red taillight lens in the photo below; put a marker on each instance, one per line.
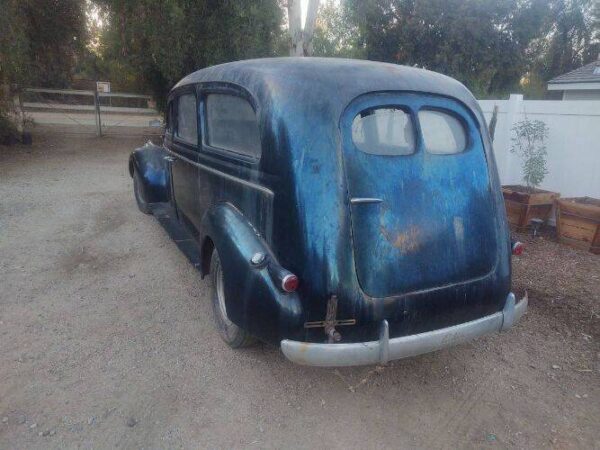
(517, 248)
(289, 283)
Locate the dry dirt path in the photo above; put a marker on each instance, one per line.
(107, 340)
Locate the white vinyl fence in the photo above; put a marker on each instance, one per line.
(573, 143)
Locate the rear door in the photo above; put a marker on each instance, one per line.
(419, 192)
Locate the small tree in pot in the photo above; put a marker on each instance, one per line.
(529, 143)
(524, 203)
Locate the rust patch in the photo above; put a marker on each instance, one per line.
(407, 242)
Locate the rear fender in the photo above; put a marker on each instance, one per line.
(149, 162)
(253, 299)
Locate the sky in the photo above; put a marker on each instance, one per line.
(304, 9)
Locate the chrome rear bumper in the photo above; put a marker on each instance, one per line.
(386, 349)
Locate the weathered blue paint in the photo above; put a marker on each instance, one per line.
(436, 224)
(263, 301)
(149, 163)
(294, 204)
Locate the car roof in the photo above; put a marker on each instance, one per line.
(334, 82)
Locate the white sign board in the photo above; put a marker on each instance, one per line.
(103, 86)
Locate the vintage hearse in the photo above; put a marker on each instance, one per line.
(347, 211)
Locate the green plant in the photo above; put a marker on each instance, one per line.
(529, 143)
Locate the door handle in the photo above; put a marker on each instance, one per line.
(361, 200)
(169, 159)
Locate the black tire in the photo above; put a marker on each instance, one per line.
(231, 334)
(139, 195)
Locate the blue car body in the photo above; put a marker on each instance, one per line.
(410, 248)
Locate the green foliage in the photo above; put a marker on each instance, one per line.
(492, 46)
(569, 42)
(163, 40)
(529, 143)
(40, 40)
(335, 33)
(476, 41)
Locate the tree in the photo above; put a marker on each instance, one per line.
(301, 39)
(475, 41)
(529, 143)
(163, 40)
(39, 44)
(335, 33)
(493, 46)
(40, 40)
(570, 41)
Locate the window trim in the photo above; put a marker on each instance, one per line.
(413, 120)
(175, 127)
(236, 91)
(449, 112)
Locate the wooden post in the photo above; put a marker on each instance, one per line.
(493, 122)
(20, 115)
(97, 108)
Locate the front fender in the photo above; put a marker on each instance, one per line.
(149, 162)
(253, 300)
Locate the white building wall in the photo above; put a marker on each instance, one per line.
(581, 95)
(573, 143)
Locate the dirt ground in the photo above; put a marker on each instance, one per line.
(107, 340)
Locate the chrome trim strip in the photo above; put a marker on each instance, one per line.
(358, 200)
(208, 169)
(378, 352)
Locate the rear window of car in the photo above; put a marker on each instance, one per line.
(384, 131)
(187, 119)
(443, 133)
(232, 125)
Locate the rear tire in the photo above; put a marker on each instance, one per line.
(142, 204)
(231, 334)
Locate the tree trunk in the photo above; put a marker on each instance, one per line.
(301, 40)
(295, 24)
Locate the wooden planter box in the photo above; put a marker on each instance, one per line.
(522, 206)
(578, 222)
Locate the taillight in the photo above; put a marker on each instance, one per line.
(290, 282)
(517, 248)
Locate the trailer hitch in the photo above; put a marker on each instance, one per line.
(331, 322)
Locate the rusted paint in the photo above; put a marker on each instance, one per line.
(407, 242)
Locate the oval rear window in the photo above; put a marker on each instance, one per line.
(384, 131)
(443, 134)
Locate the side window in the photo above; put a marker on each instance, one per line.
(231, 125)
(384, 131)
(187, 119)
(443, 134)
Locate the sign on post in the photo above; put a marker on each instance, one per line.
(103, 87)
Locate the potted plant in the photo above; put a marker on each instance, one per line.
(578, 222)
(526, 202)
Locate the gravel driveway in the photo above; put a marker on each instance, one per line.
(107, 340)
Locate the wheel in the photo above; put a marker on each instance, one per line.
(139, 196)
(233, 335)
